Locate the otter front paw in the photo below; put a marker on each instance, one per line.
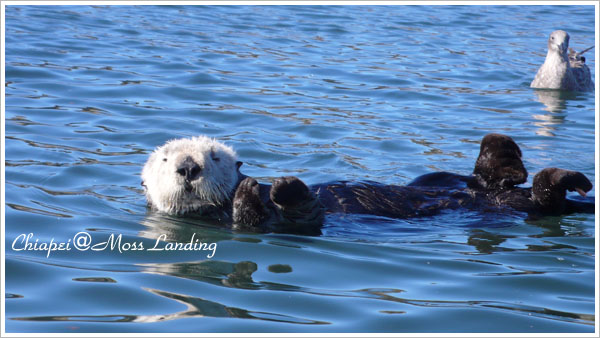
(551, 184)
(289, 191)
(297, 207)
(248, 209)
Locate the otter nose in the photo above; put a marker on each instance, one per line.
(189, 169)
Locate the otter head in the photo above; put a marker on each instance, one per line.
(190, 175)
(499, 163)
(558, 42)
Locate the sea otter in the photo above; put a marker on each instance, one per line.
(201, 175)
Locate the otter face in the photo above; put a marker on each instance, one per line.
(559, 41)
(190, 175)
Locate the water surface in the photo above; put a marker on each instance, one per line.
(384, 93)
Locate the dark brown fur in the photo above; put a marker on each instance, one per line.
(290, 206)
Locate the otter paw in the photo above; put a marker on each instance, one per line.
(556, 179)
(298, 210)
(248, 209)
(289, 191)
(551, 184)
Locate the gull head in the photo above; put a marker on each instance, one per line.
(559, 42)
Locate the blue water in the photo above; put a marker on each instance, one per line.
(384, 93)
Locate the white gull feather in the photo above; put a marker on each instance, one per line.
(563, 70)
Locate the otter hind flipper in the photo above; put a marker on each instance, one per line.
(499, 163)
(550, 188)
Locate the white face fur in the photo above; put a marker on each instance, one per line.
(171, 192)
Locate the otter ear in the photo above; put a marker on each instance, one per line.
(238, 164)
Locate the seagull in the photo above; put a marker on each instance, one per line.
(562, 70)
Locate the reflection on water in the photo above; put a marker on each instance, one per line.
(558, 226)
(486, 242)
(198, 307)
(547, 123)
(555, 102)
(182, 229)
(195, 308)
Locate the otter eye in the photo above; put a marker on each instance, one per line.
(165, 159)
(216, 159)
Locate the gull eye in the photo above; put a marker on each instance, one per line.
(164, 159)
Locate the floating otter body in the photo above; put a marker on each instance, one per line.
(288, 205)
(563, 70)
